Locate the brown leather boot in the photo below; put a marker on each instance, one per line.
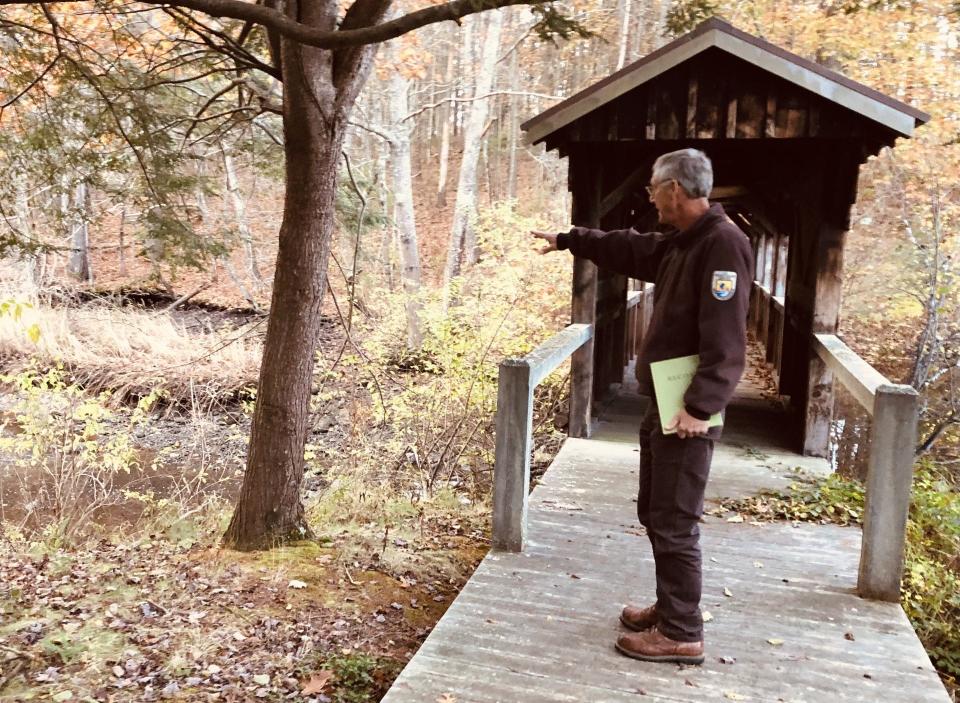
(653, 646)
(639, 619)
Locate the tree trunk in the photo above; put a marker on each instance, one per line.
(405, 217)
(240, 215)
(514, 124)
(446, 121)
(78, 264)
(320, 88)
(223, 260)
(463, 241)
(32, 275)
(624, 34)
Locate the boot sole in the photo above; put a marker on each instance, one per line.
(631, 626)
(669, 658)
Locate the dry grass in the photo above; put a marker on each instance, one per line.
(131, 352)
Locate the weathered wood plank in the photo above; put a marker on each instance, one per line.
(857, 376)
(511, 473)
(893, 436)
(539, 626)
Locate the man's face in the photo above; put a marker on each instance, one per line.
(663, 195)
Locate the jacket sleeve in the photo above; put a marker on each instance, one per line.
(722, 325)
(623, 251)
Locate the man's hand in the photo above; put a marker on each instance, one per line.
(549, 237)
(687, 425)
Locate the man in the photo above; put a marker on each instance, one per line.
(703, 271)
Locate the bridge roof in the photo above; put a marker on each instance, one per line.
(866, 102)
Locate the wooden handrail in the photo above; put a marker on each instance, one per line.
(514, 428)
(893, 436)
(857, 376)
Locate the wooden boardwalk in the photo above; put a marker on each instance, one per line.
(785, 623)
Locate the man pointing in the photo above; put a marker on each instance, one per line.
(703, 271)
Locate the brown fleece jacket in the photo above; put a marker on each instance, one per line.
(703, 278)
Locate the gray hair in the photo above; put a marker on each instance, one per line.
(689, 167)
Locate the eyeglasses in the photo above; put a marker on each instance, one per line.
(652, 188)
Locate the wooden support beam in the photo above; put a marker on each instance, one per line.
(692, 86)
(731, 131)
(729, 192)
(826, 317)
(651, 124)
(631, 183)
(583, 306)
(511, 475)
(893, 438)
(770, 122)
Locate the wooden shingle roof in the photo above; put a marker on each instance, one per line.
(716, 34)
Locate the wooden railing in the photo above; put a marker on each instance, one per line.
(514, 439)
(893, 408)
(767, 318)
(639, 311)
(893, 436)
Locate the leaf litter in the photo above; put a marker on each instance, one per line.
(118, 622)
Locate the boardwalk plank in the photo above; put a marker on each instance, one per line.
(539, 627)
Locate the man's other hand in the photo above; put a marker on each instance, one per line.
(687, 425)
(549, 237)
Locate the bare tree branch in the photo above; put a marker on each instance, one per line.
(273, 19)
(445, 101)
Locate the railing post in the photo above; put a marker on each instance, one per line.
(889, 478)
(511, 473)
(582, 366)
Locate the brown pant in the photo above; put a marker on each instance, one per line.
(673, 476)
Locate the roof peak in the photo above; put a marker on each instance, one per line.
(718, 32)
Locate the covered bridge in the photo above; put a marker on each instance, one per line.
(794, 616)
(786, 136)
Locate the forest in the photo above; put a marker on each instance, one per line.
(256, 277)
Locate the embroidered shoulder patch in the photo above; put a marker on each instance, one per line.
(724, 284)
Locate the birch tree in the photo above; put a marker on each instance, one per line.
(462, 246)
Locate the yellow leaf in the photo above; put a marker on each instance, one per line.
(33, 332)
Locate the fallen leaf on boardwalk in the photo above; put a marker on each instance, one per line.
(735, 518)
(775, 642)
(294, 583)
(707, 616)
(317, 683)
(730, 695)
(728, 660)
(849, 636)
(447, 698)
(574, 576)
(727, 592)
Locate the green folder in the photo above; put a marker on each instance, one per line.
(671, 378)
